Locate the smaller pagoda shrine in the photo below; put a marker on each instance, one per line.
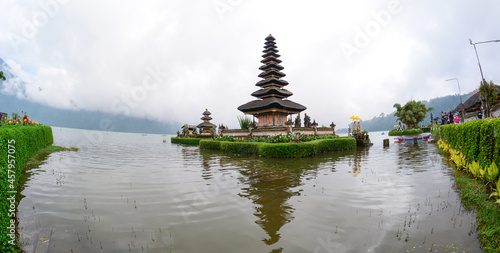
(205, 126)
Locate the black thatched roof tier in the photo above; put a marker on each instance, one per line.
(270, 49)
(269, 43)
(270, 38)
(206, 112)
(270, 59)
(206, 118)
(205, 125)
(271, 65)
(272, 81)
(272, 91)
(271, 54)
(270, 104)
(271, 73)
(473, 103)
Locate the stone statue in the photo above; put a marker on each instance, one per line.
(297, 121)
(307, 121)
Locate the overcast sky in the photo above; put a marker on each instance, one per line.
(169, 60)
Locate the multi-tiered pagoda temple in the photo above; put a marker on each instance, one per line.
(272, 106)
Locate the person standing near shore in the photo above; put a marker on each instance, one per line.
(443, 118)
(456, 119)
(450, 118)
(479, 114)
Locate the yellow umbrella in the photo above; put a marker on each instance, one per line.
(358, 118)
(352, 117)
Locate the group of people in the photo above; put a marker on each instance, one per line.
(449, 118)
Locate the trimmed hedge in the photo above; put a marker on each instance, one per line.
(474, 147)
(28, 140)
(236, 147)
(188, 141)
(281, 150)
(475, 139)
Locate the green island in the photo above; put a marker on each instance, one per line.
(23, 143)
(281, 150)
(405, 132)
(270, 130)
(280, 146)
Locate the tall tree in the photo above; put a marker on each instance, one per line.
(2, 76)
(412, 113)
(488, 96)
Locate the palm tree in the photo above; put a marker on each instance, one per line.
(488, 96)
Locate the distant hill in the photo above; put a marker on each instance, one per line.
(386, 122)
(90, 120)
(82, 119)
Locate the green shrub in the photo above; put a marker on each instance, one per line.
(486, 143)
(496, 147)
(288, 150)
(21, 142)
(405, 132)
(335, 144)
(188, 141)
(240, 147)
(210, 144)
(478, 141)
(245, 122)
(473, 139)
(281, 150)
(280, 138)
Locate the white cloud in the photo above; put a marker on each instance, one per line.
(95, 55)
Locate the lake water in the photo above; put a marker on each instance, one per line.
(125, 192)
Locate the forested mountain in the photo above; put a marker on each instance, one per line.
(84, 119)
(91, 120)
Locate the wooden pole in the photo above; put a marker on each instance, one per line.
(386, 143)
